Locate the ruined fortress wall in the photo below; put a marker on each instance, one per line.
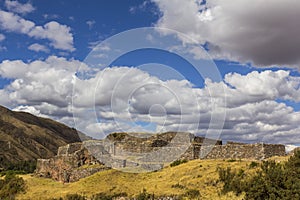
(233, 151)
(69, 149)
(66, 166)
(257, 151)
(274, 150)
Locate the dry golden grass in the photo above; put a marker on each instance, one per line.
(197, 174)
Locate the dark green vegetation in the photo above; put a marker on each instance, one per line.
(25, 137)
(178, 162)
(10, 186)
(20, 167)
(270, 181)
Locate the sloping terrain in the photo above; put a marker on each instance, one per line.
(26, 137)
(196, 175)
(200, 175)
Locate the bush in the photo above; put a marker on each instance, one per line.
(144, 195)
(272, 180)
(75, 197)
(177, 185)
(178, 162)
(21, 167)
(253, 165)
(103, 196)
(268, 183)
(192, 194)
(231, 160)
(10, 186)
(232, 180)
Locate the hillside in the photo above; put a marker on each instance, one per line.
(26, 137)
(198, 175)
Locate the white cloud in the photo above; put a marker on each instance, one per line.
(289, 148)
(50, 16)
(15, 6)
(122, 96)
(59, 35)
(13, 23)
(263, 32)
(90, 23)
(141, 7)
(2, 37)
(264, 85)
(29, 109)
(38, 47)
(36, 82)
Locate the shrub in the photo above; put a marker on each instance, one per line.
(232, 180)
(272, 180)
(231, 160)
(253, 165)
(144, 195)
(21, 167)
(177, 185)
(192, 194)
(75, 197)
(178, 162)
(10, 186)
(103, 196)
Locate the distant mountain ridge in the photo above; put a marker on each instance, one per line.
(24, 136)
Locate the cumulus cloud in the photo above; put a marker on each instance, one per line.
(125, 99)
(252, 113)
(38, 47)
(263, 32)
(267, 85)
(29, 109)
(33, 83)
(59, 35)
(17, 7)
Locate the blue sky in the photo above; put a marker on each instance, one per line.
(107, 18)
(45, 44)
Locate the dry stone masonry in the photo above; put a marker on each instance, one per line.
(146, 152)
(69, 165)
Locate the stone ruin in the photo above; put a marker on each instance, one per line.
(144, 153)
(69, 164)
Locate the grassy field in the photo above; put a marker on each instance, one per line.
(201, 175)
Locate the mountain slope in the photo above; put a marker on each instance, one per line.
(26, 137)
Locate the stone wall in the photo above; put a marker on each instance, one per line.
(145, 154)
(274, 150)
(67, 165)
(257, 151)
